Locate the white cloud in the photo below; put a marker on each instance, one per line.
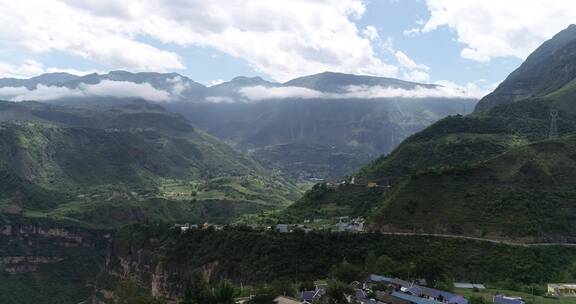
(215, 82)
(411, 70)
(179, 85)
(445, 90)
(26, 69)
(51, 25)
(476, 89)
(371, 33)
(30, 68)
(496, 28)
(124, 89)
(106, 88)
(220, 99)
(261, 92)
(43, 92)
(282, 38)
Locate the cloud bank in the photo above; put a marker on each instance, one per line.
(106, 88)
(444, 90)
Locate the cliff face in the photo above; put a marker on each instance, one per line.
(45, 263)
(163, 279)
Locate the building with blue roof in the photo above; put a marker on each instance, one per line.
(501, 299)
(412, 298)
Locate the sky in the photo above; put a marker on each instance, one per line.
(470, 44)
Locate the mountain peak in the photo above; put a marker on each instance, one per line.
(548, 68)
(336, 82)
(246, 78)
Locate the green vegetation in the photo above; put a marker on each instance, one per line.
(492, 174)
(530, 295)
(325, 201)
(253, 257)
(125, 163)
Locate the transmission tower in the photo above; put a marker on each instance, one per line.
(553, 132)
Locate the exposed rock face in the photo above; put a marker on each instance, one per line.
(164, 279)
(41, 252)
(23, 264)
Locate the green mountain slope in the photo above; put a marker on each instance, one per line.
(124, 163)
(493, 173)
(320, 138)
(546, 70)
(526, 192)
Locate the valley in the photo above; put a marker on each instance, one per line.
(378, 184)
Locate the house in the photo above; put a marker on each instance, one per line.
(283, 228)
(501, 299)
(418, 294)
(389, 299)
(562, 290)
(437, 295)
(413, 298)
(308, 296)
(396, 283)
(469, 286)
(362, 298)
(286, 300)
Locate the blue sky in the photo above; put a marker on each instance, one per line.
(473, 44)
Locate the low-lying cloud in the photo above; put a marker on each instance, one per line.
(444, 90)
(105, 88)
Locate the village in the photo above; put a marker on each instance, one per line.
(377, 289)
(336, 224)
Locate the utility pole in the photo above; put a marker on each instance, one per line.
(553, 132)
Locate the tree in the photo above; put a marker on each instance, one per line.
(196, 291)
(306, 285)
(128, 292)
(336, 292)
(370, 262)
(224, 293)
(347, 272)
(431, 269)
(282, 287)
(384, 265)
(477, 300)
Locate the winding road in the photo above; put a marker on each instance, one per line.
(463, 237)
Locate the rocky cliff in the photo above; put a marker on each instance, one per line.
(47, 263)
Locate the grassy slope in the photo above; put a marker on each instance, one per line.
(525, 192)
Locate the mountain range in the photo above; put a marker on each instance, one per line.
(318, 127)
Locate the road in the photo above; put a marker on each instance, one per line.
(503, 242)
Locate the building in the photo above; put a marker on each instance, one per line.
(413, 298)
(469, 286)
(283, 228)
(389, 299)
(396, 283)
(502, 299)
(418, 294)
(286, 300)
(562, 290)
(438, 295)
(309, 296)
